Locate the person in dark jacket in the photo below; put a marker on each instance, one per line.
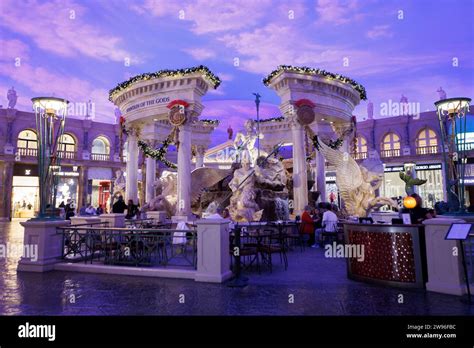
(119, 206)
(132, 210)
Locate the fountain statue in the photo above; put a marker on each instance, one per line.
(356, 184)
(167, 188)
(119, 184)
(243, 207)
(245, 143)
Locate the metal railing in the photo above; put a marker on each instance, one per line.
(426, 150)
(28, 152)
(359, 155)
(100, 156)
(129, 246)
(67, 154)
(390, 153)
(146, 223)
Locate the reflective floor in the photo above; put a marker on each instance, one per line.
(312, 285)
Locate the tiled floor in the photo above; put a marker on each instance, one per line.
(317, 286)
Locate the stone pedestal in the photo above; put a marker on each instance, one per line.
(82, 220)
(114, 220)
(157, 216)
(445, 270)
(213, 251)
(43, 235)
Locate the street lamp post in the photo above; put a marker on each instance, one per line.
(50, 114)
(452, 120)
(257, 104)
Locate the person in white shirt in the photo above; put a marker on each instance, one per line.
(90, 210)
(329, 224)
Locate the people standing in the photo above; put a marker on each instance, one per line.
(119, 206)
(132, 210)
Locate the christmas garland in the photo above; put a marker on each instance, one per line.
(209, 122)
(276, 119)
(215, 81)
(333, 144)
(357, 86)
(158, 154)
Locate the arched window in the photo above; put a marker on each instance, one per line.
(361, 148)
(391, 145)
(426, 142)
(67, 143)
(27, 143)
(100, 149)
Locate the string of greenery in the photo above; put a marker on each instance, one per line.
(304, 69)
(204, 70)
(158, 154)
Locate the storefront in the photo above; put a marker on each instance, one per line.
(68, 182)
(25, 191)
(99, 187)
(431, 192)
(332, 193)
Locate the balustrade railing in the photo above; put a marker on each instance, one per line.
(27, 152)
(130, 246)
(100, 156)
(427, 150)
(390, 153)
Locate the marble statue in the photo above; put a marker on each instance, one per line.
(441, 93)
(118, 114)
(12, 98)
(167, 188)
(245, 143)
(370, 110)
(119, 183)
(408, 177)
(271, 173)
(356, 184)
(242, 206)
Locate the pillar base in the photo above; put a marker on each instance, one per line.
(213, 251)
(114, 220)
(445, 270)
(42, 235)
(81, 220)
(185, 218)
(157, 216)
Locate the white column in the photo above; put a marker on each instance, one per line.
(131, 188)
(150, 179)
(300, 180)
(321, 176)
(200, 156)
(184, 172)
